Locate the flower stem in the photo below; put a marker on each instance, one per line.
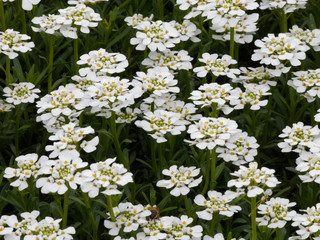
(109, 202)
(283, 22)
(8, 66)
(65, 209)
(186, 204)
(160, 9)
(253, 218)
(213, 223)
(93, 222)
(232, 42)
(207, 174)
(76, 55)
(213, 181)
(115, 139)
(278, 235)
(312, 113)
(51, 54)
(16, 135)
(23, 18)
(3, 20)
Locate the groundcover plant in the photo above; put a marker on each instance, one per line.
(159, 119)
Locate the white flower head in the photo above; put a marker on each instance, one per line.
(181, 179)
(12, 42)
(23, 92)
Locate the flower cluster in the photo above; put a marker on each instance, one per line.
(101, 63)
(276, 212)
(75, 2)
(308, 223)
(239, 149)
(299, 137)
(128, 218)
(68, 21)
(61, 174)
(275, 50)
(107, 174)
(307, 83)
(5, 107)
(309, 164)
(30, 228)
(12, 42)
(211, 132)
(28, 167)
(287, 6)
(259, 75)
(214, 93)
(174, 60)
(181, 179)
(217, 202)
(67, 139)
(23, 92)
(253, 179)
(217, 66)
(26, 4)
(160, 122)
(309, 37)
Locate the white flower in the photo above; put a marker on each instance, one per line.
(136, 19)
(128, 116)
(275, 212)
(254, 179)
(5, 107)
(259, 75)
(309, 164)
(239, 149)
(182, 179)
(307, 83)
(158, 80)
(67, 138)
(101, 63)
(174, 60)
(275, 50)
(79, 16)
(253, 95)
(217, 66)
(211, 132)
(61, 174)
(187, 30)
(160, 122)
(129, 217)
(218, 236)
(307, 222)
(299, 137)
(23, 92)
(214, 93)
(217, 202)
(107, 175)
(155, 35)
(28, 166)
(48, 24)
(75, 2)
(308, 37)
(287, 5)
(12, 42)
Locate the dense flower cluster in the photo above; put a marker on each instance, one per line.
(254, 180)
(182, 179)
(309, 164)
(23, 92)
(276, 212)
(12, 42)
(287, 6)
(30, 228)
(211, 132)
(217, 202)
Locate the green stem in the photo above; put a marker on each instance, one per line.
(232, 42)
(207, 174)
(186, 204)
(16, 135)
(160, 8)
(278, 235)
(253, 218)
(161, 156)
(65, 209)
(213, 223)
(23, 18)
(76, 55)
(110, 209)
(3, 20)
(155, 169)
(51, 54)
(8, 63)
(115, 139)
(312, 113)
(213, 181)
(283, 22)
(93, 222)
